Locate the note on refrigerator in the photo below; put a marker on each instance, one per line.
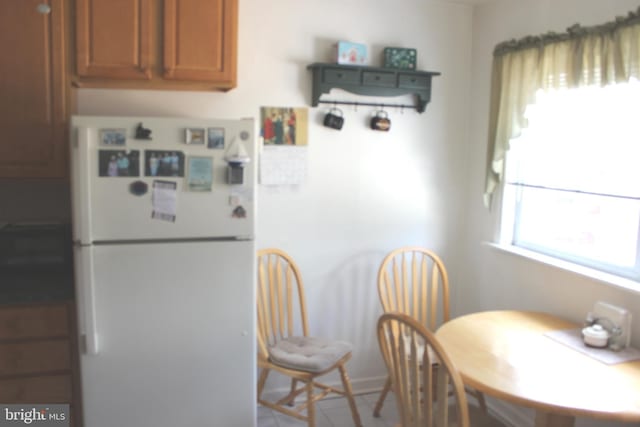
(164, 200)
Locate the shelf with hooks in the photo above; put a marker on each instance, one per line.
(371, 81)
(357, 104)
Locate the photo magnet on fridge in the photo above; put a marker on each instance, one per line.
(113, 136)
(215, 138)
(118, 163)
(194, 135)
(199, 173)
(163, 163)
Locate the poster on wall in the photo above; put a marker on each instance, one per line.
(284, 126)
(284, 134)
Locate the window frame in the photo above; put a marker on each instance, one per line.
(510, 209)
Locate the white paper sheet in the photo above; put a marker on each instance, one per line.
(164, 200)
(573, 338)
(283, 165)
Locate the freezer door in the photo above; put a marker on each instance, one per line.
(122, 207)
(176, 327)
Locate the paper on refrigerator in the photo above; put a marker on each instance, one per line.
(164, 200)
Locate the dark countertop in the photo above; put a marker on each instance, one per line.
(22, 287)
(35, 262)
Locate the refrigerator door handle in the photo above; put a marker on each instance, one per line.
(81, 168)
(86, 299)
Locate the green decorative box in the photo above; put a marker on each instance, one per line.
(399, 57)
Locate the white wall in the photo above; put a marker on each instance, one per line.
(497, 280)
(366, 192)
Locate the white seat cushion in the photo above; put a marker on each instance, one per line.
(308, 354)
(420, 352)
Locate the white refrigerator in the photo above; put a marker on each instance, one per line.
(163, 229)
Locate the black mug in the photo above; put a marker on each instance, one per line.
(380, 121)
(334, 119)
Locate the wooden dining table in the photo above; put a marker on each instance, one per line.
(506, 355)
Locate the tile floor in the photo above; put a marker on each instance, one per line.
(335, 413)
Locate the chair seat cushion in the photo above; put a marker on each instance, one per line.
(310, 354)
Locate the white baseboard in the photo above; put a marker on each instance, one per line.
(359, 386)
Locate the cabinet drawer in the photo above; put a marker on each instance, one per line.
(413, 82)
(34, 357)
(33, 322)
(48, 389)
(379, 79)
(336, 75)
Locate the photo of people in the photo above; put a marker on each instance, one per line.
(215, 138)
(163, 163)
(118, 163)
(283, 125)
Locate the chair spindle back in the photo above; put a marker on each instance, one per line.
(414, 281)
(422, 400)
(281, 302)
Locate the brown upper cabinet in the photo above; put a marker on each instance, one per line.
(154, 44)
(34, 105)
(113, 39)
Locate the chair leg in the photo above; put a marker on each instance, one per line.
(481, 401)
(262, 380)
(311, 407)
(294, 382)
(383, 396)
(346, 383)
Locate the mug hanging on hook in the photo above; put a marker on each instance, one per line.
(380, 121)
(334, 119)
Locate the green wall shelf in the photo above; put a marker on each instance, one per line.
(370, 81)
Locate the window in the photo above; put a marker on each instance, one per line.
(572, 179)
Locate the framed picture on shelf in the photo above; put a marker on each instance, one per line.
(400, 58)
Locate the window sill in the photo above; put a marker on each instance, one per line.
(590, 273)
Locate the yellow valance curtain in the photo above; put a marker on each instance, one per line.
(581, 56)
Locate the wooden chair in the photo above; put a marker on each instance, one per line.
(414, 281)
(407, 346)
(425, 397)
(284, 343)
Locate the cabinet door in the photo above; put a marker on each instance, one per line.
(200, 41)
(33, 110)
(113, 39)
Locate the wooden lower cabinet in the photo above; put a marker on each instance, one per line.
(38, 390)
(27, 358)
(38, 356)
